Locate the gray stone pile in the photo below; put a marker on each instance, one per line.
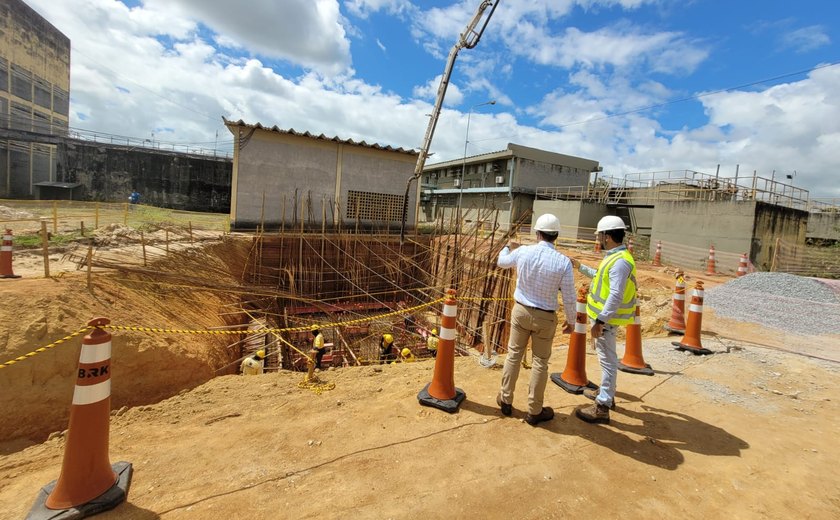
(783, 301)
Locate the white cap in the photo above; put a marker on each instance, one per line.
(610, 222)
(548, 223)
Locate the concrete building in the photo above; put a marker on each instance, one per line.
(506, 180)
(284, 176)
(34, 98)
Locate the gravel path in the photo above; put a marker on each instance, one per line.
(784, 301)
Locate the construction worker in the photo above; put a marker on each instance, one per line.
(541, 271)
(406, 356)
(386, 349)
(253, 365)
(318, 347)
(611, 303)
(432, 342)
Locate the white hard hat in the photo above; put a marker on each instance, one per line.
(548, 223)
(610, 222)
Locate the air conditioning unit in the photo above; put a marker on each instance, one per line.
(500, 179)
(457, 183)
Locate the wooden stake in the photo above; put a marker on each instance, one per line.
(96, 217)
(191, 234)
(55, 218)
(167, 241)
(45, 243)
(90, 266)
(143, 243)
(82, 228)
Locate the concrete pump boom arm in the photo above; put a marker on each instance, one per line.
(467, 39)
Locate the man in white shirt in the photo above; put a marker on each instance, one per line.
(541, 271)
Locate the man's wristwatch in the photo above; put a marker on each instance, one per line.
(598, 321)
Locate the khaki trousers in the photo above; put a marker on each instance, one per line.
(539, 327)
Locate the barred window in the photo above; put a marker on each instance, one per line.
(43, 93)
(382, 207)
(61, 101)
(4, 75)
(21, 83)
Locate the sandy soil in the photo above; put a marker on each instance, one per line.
(748, 432)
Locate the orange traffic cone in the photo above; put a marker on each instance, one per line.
(657, 257)
(6, 256)
(633, 361)
(710, 265)
(743, 265)
(573, 379)
(88, 483)
(441, 392)
(691, 340)
(677, 323)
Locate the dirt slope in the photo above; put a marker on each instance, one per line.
(745, 433)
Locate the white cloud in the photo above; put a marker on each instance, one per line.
(364, 8)
(806, 39)
(381, 45)
(305, 32)
(454, 96)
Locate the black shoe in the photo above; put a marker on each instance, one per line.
(546, 414)
(591, 393)
(507, 409)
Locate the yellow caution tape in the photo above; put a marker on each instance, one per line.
(217, 332)
(44, 349)
(316, 386)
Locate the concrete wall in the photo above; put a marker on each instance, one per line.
(109, 173)
(532, 174)
(823, 226)
(732, 227)
(698, 224)
(301, 172)
(578, 218)
(772, 223)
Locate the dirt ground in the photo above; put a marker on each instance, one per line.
(749, 432)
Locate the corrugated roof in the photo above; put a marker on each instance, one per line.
(322, 137)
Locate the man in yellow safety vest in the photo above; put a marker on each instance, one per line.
(611, 303)
(318, 347)
(432, 342)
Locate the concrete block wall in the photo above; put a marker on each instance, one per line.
(823, 226)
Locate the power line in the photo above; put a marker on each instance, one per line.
(672, 102)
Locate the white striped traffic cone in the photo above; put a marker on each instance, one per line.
(6, 256)
(691, 341)
(88, 482)
(743, 267)
(441, 392)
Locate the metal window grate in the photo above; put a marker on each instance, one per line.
(381, 207)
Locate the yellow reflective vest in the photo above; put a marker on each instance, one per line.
(599, 291)
(318, 342)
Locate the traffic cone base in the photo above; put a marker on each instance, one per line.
(694, 350)
(110, 499)
(673, 330)
(557, 379)
(645, 371)
(447, 405)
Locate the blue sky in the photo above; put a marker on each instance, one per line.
(732, 83)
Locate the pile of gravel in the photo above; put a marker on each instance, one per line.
(784, 301)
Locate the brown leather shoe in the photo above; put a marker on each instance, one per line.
(596, 414)
(591, 393)
(507, 409)
(546, 414)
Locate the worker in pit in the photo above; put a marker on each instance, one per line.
(318, 347)
(432, 342)
(387, 352)
(406, 356)
(253, 365)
